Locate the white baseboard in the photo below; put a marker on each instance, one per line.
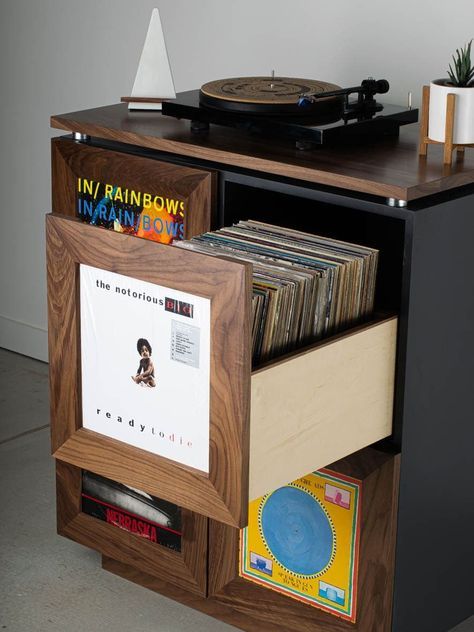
(29, 340)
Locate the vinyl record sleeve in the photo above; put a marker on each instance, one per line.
(302, 540)
(132, 510)
(315, 285)
(148, 214)
(145, 360)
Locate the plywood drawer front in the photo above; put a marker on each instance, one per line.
(321, 405)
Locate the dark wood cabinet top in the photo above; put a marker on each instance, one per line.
(387, 167)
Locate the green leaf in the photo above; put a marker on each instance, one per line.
(463, 71)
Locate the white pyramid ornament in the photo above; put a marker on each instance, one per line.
(153, 78)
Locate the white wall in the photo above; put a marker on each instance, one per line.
(64, 55)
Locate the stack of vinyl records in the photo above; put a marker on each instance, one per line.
(305, 286)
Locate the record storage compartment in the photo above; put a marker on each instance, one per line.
(251, 606)
(268, 426)
(294, 409)
(186, 568)
(330, 215)
(310, 403)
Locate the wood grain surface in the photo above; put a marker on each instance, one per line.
(254, 608)
(424, 121)
(223, 493)
(195, 188)
(389, 167)
(187, 569)
(319, 405)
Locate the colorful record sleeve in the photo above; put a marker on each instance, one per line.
(140, 213)
(132, 510)
(302, 540)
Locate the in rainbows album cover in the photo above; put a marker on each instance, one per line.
(152, 215)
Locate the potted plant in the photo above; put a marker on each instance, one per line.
(461, 83)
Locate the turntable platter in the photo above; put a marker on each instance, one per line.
(266, 95)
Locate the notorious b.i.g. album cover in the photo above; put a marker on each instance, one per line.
(145, 358)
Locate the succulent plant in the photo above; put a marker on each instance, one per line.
(462, 75)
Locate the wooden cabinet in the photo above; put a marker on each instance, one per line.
(400, 382)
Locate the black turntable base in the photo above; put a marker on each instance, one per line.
(309, 113)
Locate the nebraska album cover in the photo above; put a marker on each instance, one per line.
(132, 510)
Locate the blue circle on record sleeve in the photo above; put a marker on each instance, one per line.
(297, 531)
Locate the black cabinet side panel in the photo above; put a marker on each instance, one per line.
(434, 564)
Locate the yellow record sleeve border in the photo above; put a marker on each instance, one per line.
(347, 613)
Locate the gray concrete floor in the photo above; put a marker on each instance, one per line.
(48, 583)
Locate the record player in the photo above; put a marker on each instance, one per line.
(309, 112)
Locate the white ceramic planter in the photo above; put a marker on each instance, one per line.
(463, 114)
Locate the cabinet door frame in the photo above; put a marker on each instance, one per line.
(186, 569)
(72, 161)
(220, 494)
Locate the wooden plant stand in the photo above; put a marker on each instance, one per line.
(449, 146)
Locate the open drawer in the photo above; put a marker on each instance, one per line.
(210, 434)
